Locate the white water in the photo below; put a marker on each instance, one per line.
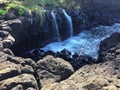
(69, 22)
(87, 42)
(55, 26)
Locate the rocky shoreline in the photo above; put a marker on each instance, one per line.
(53, 71)
(50, 72)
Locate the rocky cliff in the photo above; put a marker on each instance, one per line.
(101, 11)
(21, 33)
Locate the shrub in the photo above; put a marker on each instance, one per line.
(3, 12)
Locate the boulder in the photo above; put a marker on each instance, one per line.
(52, 69)
(16, 73)
(110, 48)
(103, 76)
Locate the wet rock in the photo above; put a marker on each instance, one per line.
(75, 55)
(75, 60)
(109, 48)
(80, 20)
(65, 54)
(49, 52)
(79, 61)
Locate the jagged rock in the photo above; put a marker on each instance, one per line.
(110, 48)
(101, 12)
(80, 20)
(77, 61)
(8, 41)
(11, 15)
(16, 73)
(103, 76)
(8, 51)
(3, 34)
(22, 33)
(52, 69)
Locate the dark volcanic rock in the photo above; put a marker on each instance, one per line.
(23, 33)
(75, 60)
(101, 11)
(109, 48)
(80, 20)
(26, 31)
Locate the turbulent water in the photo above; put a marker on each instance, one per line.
(87, 42)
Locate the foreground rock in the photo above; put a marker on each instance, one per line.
(52, 70)
(17, 73)
(103, 76)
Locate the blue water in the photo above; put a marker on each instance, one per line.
(86, 42)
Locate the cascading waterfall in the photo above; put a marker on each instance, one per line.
(87, 42)
(55, 26)
(69, 23)
(51, 29)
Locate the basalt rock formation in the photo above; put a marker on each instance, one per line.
(29, 34)
(101, 11)
(19, 34)
(110, 48)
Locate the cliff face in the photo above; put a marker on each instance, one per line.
(92, 13)
(23, 33)
(101, 11)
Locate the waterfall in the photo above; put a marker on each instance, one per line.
(55, 26)
(50, 26)
(69, 22)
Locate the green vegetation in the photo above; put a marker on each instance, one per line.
(3, 12)
(23, 6)
(21, 9)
